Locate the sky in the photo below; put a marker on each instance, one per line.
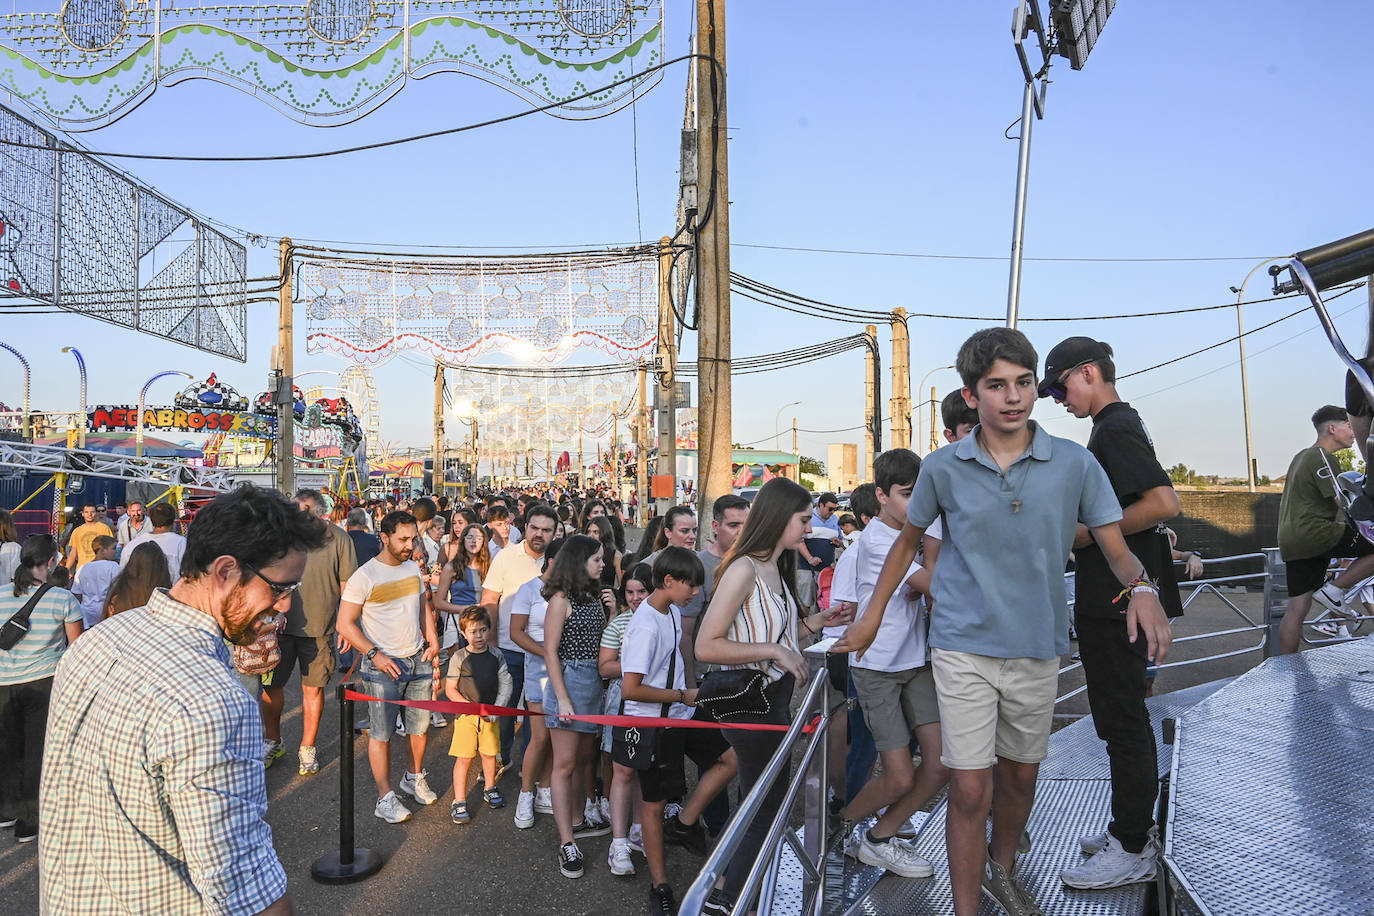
(1224, 131)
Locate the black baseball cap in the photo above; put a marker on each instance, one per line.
(1070, 353)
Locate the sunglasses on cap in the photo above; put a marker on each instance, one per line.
(1058, 389)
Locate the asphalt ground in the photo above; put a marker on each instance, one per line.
(490, 866)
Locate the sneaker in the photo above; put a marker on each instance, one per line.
(7, 820)
(1007, 892)
(401, 727)
(391, 810)
(671, 810)
(661, 900)
(619, 858)
(417, 787)
(543, 799)
(604, 804)
(437, 720)
(1113, 866)
(591, 815)
(852, 839)
(570, 860)
(717, 904)
(586, 828)
(494, 799)
(459, 812)
(271, 752)
(1332, 630)
(894, 856)
(1332, 597)
(691, 838)
(25, 831)
(1092, 845)
(524, 810)
(309, 764)
(637, 838)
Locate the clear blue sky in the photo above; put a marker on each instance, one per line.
(1196, 130)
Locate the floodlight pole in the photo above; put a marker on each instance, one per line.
(1025, 20)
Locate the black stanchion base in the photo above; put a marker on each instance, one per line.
(329, 870)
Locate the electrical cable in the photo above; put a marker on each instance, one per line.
(994, 257)
(383, 144)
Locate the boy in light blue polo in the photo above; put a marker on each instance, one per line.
(1011, 496)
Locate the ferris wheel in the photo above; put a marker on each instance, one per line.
(357, 385)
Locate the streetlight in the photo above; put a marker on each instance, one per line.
(776, 419)
(919, 389)
(27, 426)
(81, 420)
(142, 396)
(1244, 385)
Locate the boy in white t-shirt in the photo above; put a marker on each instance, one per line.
(93, 579)
(894, 681)
(650, 652)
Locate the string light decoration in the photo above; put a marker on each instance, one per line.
(324, 62)
(455, 309)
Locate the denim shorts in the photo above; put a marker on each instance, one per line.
(610, 708)
(415, 683)
(583, 683)
(536, 677)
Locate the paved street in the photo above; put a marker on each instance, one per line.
(490, 866)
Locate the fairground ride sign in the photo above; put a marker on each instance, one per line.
(178, 419)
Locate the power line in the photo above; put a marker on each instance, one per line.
(992, 257)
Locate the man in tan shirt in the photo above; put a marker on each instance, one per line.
(82, 550)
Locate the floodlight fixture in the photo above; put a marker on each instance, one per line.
(1077, 24)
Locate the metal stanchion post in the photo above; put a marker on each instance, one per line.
(349, 863)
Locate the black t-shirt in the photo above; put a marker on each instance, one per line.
(1123, 447)
(1356, 404)
(480, 674)
(365, 545)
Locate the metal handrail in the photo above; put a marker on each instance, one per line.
(817, 698)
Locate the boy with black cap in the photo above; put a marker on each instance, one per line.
(1080, 374)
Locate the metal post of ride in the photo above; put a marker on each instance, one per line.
(1275, 598)
(349, 863)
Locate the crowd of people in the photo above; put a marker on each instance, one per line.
(158, 674)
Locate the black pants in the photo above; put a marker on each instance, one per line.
(1115, 672)
(23, 720)
(753, 751)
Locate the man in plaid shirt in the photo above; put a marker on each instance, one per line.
(153, 797)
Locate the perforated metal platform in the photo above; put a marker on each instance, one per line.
(1073, 798)
(1272, 806)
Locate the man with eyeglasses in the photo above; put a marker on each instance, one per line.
(309, 637)
(152, 752)
(383, 616)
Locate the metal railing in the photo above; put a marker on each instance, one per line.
(810, 846)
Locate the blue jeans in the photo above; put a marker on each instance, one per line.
(515, 664)
(415, 683)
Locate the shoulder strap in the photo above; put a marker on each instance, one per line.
(21, 617)
(672, 665)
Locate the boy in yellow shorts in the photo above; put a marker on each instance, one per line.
(476, 674)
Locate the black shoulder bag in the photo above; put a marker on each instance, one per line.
(17, 626)
(728, 693)
(631, 745)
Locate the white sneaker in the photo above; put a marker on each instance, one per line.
(391, 810)
(619, 858)
(637, 838)
(437, 720)
(1092, 845)
(1114, 867)
(605, 805)
(309, 763)
(894, 856)
(852, 840)
(1332, 630)
(591, 814)
(524, 810)
(671, 810)
(400, 725)
(543, 799)
(1332, 597)
(417, 787)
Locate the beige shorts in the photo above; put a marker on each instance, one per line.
(993, 707)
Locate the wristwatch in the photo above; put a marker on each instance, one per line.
(372, 652)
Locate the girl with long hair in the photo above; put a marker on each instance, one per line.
(26, 678)
(9, 548)
(752, 622)
(145, 571)
(573, 624)
(600, 528)
(592, 508)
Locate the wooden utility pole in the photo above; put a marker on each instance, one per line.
(615, 450)
(901, 381)
(934, 436)
(286, 417)
(873, 417)
(581, 464)
(794, 444)
(666, 377)
(438, 476)
(642, 449)
(713, 261)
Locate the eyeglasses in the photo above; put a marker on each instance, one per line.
(1058, 389)
(279, 589)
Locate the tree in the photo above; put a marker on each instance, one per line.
(1183, 475)
(812, 466)
(1349, 461)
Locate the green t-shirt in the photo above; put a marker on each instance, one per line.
(1310, 522)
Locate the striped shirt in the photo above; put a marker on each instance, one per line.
(153, 796)
(764, 617)
(38, 651)
(614, 634)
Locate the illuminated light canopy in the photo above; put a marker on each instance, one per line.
(1077, 24)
